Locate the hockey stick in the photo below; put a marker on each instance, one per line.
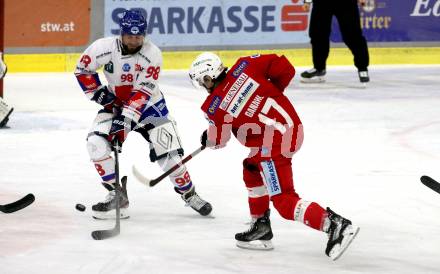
(431, 183)
(17, 205)
(6, 118)
(105, 234)
(154, 182)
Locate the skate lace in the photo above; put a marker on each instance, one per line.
(334, 235)
(251, 225)
(110, 196)
(312, 70)
(196, 202)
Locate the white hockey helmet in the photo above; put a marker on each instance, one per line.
(206, 64)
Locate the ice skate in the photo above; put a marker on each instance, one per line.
(106, 210)
(340, 232)
(5, 112)
(193, 200)
(313, 76)
(259, 235)
(363, 76)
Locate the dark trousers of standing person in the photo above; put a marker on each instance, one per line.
(347, 14)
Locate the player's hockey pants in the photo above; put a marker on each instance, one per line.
(270, 178)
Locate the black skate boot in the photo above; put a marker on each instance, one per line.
(258, 236)
(3, 109)
(340, 233)
(363, 76)
(106, 210)
(193, 200)
(313, 76)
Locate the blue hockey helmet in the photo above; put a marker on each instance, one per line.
(133, 23)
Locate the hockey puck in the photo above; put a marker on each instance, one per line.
(80, 207)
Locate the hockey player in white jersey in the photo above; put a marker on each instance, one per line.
(132, 101)
(5, 109)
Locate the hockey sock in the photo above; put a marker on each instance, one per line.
(180, 177)
(106, 169)
(310, 214)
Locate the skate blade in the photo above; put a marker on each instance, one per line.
(110, 215)
(338, 250)
(314, 80)
(256, 245)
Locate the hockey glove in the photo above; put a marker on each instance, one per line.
(104, 97)
(204, 138)
(121, 126)
(207, 143)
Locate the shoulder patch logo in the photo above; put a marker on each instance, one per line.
(86, 60)
(240, 68)
(214, 104)
(109, 67)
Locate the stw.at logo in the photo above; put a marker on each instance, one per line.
(294, 18)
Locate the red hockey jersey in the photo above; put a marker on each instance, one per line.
(250, 103)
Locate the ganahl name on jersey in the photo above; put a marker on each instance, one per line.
(214, 104)
(239, 94)
(252, 108)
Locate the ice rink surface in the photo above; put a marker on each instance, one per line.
(364, 152)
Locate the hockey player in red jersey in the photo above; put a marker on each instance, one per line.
(132, 101)
(248, 101)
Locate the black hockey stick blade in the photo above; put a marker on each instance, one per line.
(115, 231)
(17, 205)
(105, 234)
(6, 119)
(431, 183)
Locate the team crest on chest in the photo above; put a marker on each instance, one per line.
(126, 67)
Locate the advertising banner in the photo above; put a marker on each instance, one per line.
(398, 21)
(47, 23)
(200, 23)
